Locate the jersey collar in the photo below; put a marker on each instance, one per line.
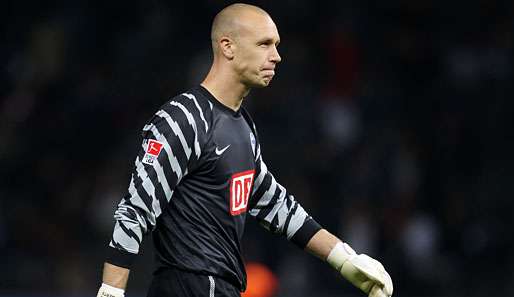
(220, 105)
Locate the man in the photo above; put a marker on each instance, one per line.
(200, 171)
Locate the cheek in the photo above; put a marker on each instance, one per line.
(249, 61)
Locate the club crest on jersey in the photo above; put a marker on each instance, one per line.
(252, 141)
(153, 149)
(240, 190)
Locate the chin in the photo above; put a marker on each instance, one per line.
(265, 82)
(260, 84)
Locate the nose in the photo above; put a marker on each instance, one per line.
(275, 56)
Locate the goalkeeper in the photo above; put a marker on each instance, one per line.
(200, 172)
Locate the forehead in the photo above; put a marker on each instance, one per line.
(258, 26)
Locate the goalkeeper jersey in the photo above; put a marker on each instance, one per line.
(197, 176)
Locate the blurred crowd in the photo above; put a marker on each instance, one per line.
(390, 121)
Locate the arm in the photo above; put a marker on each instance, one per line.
(158, 170)
(361, 270)
(273, 207)
(321, 244)
(115, 276)
(278, 212)
(114, 281)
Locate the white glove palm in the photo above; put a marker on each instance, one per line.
(361, 270)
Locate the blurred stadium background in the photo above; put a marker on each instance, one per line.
(391, 121)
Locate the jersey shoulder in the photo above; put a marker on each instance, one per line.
(185, 109)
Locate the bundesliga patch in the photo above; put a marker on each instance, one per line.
(153, 149)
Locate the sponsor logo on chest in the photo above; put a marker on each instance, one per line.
(240, 190)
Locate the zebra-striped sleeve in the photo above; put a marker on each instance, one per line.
(169, 148)
(277, 210)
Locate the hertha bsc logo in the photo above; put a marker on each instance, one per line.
(252, 141)
(153, 150)
(240, 189)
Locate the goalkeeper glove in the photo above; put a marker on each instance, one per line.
(110, 291)
(361, 270)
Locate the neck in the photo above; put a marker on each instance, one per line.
(225, 88)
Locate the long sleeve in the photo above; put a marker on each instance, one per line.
(277, 210)
(169, 149)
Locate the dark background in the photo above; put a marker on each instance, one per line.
(390, 121)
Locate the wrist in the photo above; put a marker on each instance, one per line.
(339, 254)
(110, 291)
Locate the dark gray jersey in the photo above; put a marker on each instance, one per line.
(198, 174)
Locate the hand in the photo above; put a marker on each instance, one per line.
(110, 291)
(361, 270)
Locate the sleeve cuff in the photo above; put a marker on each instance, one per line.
(120, 258)
(306, 232)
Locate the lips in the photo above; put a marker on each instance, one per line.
(268, 71)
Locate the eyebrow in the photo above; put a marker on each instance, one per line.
(269, 40)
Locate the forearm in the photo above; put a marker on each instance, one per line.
(361, 270)
(321, 244)
(115, 276)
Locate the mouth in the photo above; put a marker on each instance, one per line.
(268, 71)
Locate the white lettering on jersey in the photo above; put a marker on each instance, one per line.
(240, 189)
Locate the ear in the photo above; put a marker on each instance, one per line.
(227, 47)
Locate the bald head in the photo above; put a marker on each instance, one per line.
(244, 43)
(232, 20)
